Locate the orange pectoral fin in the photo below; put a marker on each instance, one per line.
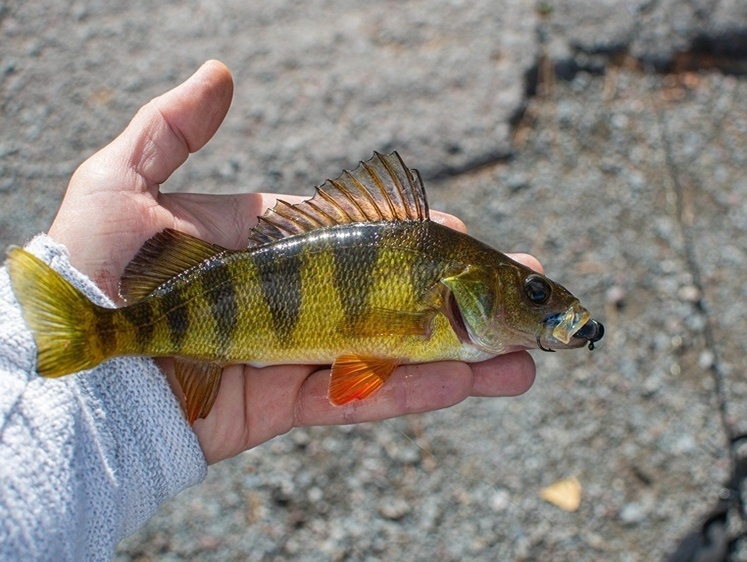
(355, 378)
(200, 383)
(377, 322)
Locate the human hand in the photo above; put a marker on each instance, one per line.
(113, 205)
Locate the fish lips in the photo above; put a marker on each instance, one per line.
(571, 329)
(590, 333)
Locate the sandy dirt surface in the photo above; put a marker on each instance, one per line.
(606, 138)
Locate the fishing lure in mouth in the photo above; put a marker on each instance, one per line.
(357, 277)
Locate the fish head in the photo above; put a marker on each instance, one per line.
(510, 307)
(544, 313)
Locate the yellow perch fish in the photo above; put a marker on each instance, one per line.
(357, 277)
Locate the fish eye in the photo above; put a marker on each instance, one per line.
(537, 289)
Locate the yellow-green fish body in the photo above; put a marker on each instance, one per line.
(371, 290)
(357, 277)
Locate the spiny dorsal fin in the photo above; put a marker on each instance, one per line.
(380, 189)
(164, 256)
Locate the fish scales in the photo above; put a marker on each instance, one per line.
(375, 259)
(141, 323)
(269, 318)
(357, 277)
(221, 299)
(191, 307)
(353, 291)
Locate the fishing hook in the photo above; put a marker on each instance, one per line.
(547, 349)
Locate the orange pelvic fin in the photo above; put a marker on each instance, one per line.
(355, 378)
(200, 382)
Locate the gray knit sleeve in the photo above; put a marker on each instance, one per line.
(85, 459)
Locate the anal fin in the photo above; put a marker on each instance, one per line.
(354, 377)
(200, 382)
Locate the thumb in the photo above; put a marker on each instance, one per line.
(166, 130)
(99, 221)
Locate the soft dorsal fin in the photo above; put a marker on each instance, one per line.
(164, 256)
(379, 189)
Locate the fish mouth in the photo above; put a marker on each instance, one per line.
(591, 333)
(570, 329)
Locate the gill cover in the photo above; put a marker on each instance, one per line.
(474, 292)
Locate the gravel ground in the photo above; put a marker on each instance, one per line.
(606, 138)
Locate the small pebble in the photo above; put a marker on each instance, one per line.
(616, 296)
(689, 293)
(500, 501)
(632, 513)
(314, 494)
(705, 359)
(394, 509)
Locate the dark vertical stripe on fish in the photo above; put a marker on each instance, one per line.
(280, 279)
(107, 333)
(220, 294)
(425, 268)
(177, 317)
(355, 269)
(141, 317)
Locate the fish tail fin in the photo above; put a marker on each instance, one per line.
(62, 319)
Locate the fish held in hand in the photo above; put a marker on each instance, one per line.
(357, 277)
